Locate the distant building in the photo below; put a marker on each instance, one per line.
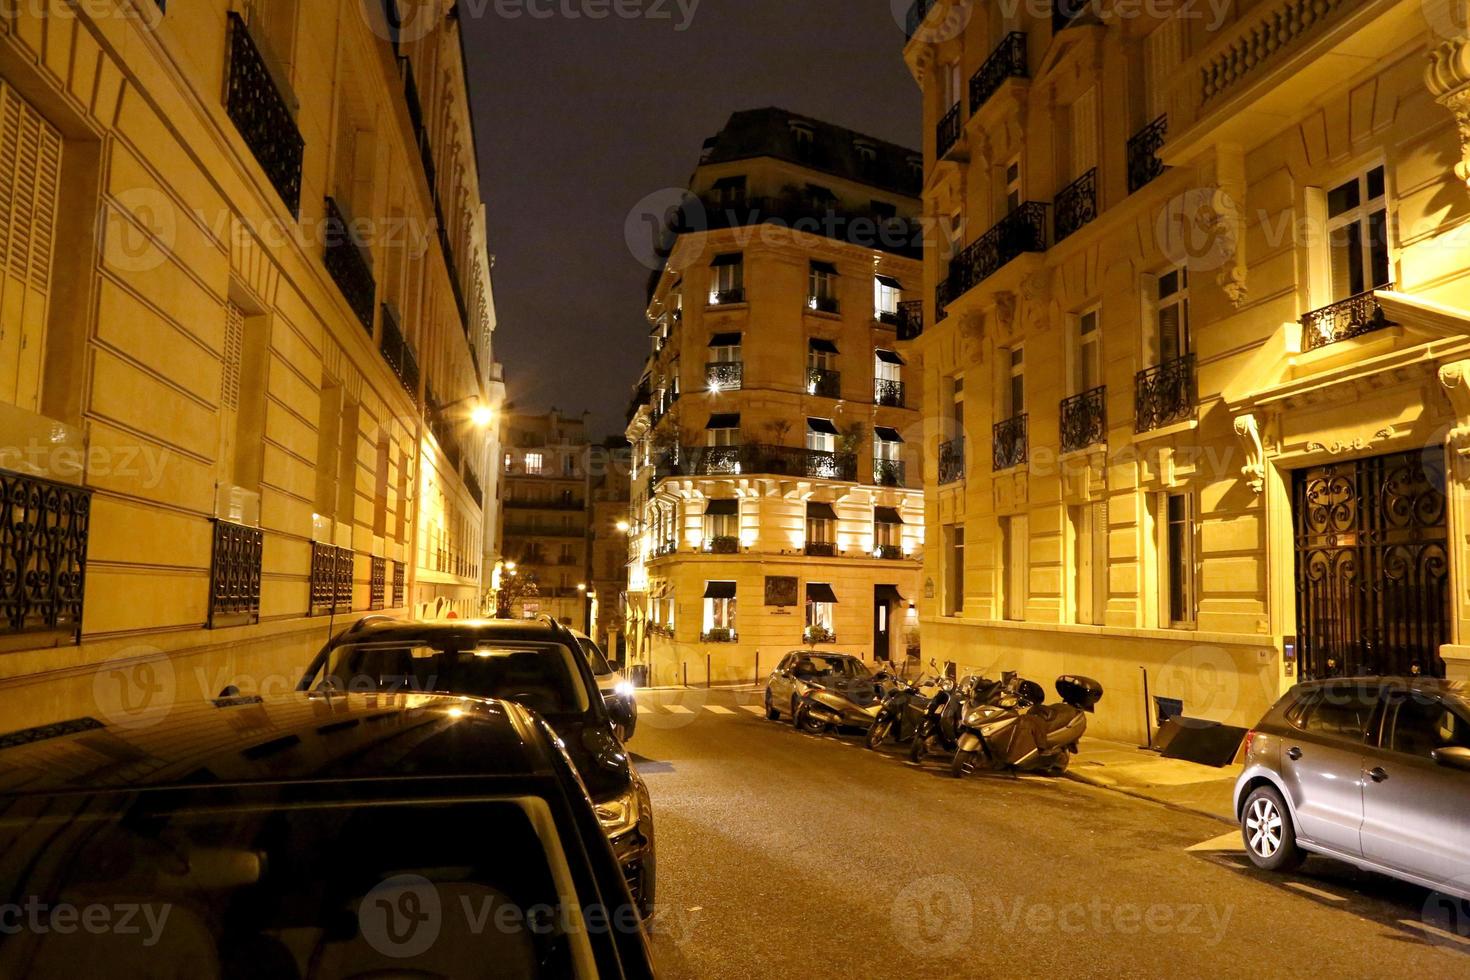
(609, 527)
(775, 429)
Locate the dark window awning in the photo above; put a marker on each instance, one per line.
(816, 511)
(719, 590)
(724, 182)
(724, 420)
(723, 508)
(890, 282)
(888, 593)
(888, 357)
(823, 346)
(824, 426)
(729, 258)
(820, 592)
(887, 433)
(826, 268)
(886, 515)
(725, 340)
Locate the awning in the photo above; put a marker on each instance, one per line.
(724, 420)
(887, 433)
(725, 340)
(888, 593)
(719, 590)
(729, 258)
(820, 592)
(890, 282)
(823, 346)
(816, 511)
(824, 426)
(724, 182)
(888, 357)
(825, 267)
(886, 515)
(723, 508)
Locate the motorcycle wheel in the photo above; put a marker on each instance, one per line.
(1059, 766)
(963, 764)
(879, 732)
(771, 713)
(916, 748)
(806, 723)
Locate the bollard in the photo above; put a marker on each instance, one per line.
(1148, 723)
(686, 673)
(707, 679)
(757, 668)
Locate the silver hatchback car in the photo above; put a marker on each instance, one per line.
(1374, 771)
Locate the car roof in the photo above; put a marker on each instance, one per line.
(1437, 686)
(384, 629)
(318, 736)
(824, 653)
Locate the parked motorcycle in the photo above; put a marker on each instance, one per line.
(1021, 734)
(939, 729)
(901, 712)
(843, 702)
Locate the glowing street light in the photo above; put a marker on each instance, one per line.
(623, 527)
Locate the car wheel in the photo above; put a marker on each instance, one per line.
(805, 721)
(879, 732)
(1265, 826)
(771, 713)
(963, 764)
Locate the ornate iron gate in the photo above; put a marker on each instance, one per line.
(1372, 566)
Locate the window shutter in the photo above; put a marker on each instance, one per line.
(234, 345)
(1161, 54)
(30, 179)
(1084, 133)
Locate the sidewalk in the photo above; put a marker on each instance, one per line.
(1139, 772)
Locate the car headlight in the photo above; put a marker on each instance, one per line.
(619, 814)
(624, 689)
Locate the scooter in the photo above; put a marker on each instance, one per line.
(1021, 734)
(849, 705)
(901, 712)
(939, 730)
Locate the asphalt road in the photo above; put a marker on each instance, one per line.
(783, 854)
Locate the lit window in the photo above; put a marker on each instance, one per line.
(1174, 340)
(534, 463)
(886, 294)
(822, 287)
(727, 279)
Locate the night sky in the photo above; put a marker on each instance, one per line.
(579, 120)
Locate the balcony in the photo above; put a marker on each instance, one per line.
(718, 635)
(331, 579)
(888, 392)
(910, 319)
(1164, 395)
(516, 504)
(724, 375)
(263, 115)
(889, 318)
(823, 383)
(820, 549)
(759, 459)
(1008, 60)
(889, 552)
(234, 575)
(889, 473)
(1076, 204)
(1010, 448)
(1144, 164)
(952, 461)
(347, 261)
(43, 560)
(1344, 320)
(947, 133)
(723, 544)
(399, 355)
(1021, 231)
(1084, 420)
(823, 304)
(728, 297)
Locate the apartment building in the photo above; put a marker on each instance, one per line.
(776, 498)
(610, 473)
(245, 325)
(1194, 344)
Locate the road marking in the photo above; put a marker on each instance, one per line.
(719, 709)
(677, 709)
(1435, 931)
(1316, 892)
(1225, 842)
(753, 709)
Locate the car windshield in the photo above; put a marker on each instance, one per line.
(198, 884)
(595, 657)
(542, 676)
(815, 666)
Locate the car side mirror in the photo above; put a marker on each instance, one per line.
(1453, 757)
(618, 709)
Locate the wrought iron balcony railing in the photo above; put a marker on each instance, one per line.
(400, 584)
(947, 133)
(910, 319)
(1143, 154)
(263, 116)
(723, 544)
(1076, 204)
(1084, 420)
(1011, 447)
(952, 461)
(472, 486)
(821, 549)
(234, 575)
(331, 579)
(398, 353)
(346, 259)
(724, 375)
(43, 555)
(888, 392)
(889, 552)
(823, 304)
(719, 635)
(1008, 60)
(728, 297)
(378, 584)
(823, 383)
(1021, 231)
(758, 459)
(1165, 394)
(889, 473)
(1344, 320)
(441, 426)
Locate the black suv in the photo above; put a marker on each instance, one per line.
(535, 663)
(308, 835)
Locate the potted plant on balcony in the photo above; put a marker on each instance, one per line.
(720, 634)
(818, 634)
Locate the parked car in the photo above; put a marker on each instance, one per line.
(617, 691)
(309, 834)
(536, 663)
(803, 671)
(1373, 771)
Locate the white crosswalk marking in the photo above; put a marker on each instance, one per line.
(678, 709)
(1225, 842)
(754, 709)
(1315, 892)
(718, 709)
(1435, 931)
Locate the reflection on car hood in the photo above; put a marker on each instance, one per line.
(860, 692)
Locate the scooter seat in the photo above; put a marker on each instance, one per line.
(1061, 722)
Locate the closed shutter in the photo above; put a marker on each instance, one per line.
(229, 393)
(30, 180)
(1084, 133)
(1161, 52)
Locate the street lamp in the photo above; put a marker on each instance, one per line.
(481, 415)
(623, 527)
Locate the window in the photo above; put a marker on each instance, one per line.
(804, 136)
(1161, 56)
(818, 196)
(882, 210)
(729, 192)
(569, 465)
(887, 366)
(1015, 390)
(1179, 559)
(724, 348)
(887, 444)
(821, 435)
(510, 462)
(1172, 339)
(952, 86)
(1014, 545)
(887, 530)
(535, 462)
(954, 569)
(1014, 191)
(821, 603)
(674, 379)
(1086, 353)
(1082, 118)
(727, 279)
(1339, 711)
(723, 430)
(821, 518)
(886, 294)
(1357, 235)
(1422, 724)
(822, 287)
(719, 610)
(722, 525)
(1087, 528)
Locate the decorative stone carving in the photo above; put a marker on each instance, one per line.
(1352, 445)
(1448, 79)
(1455, 377)
(1005, 314)
(972, 337)
(1254, 471)
(1036, 290)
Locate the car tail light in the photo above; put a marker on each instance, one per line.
(1250, 737)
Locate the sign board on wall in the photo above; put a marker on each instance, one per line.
(780, 590)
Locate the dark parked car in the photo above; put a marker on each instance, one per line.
(617, 691)
(536, 663)
(308, 835)
(1374, 771)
